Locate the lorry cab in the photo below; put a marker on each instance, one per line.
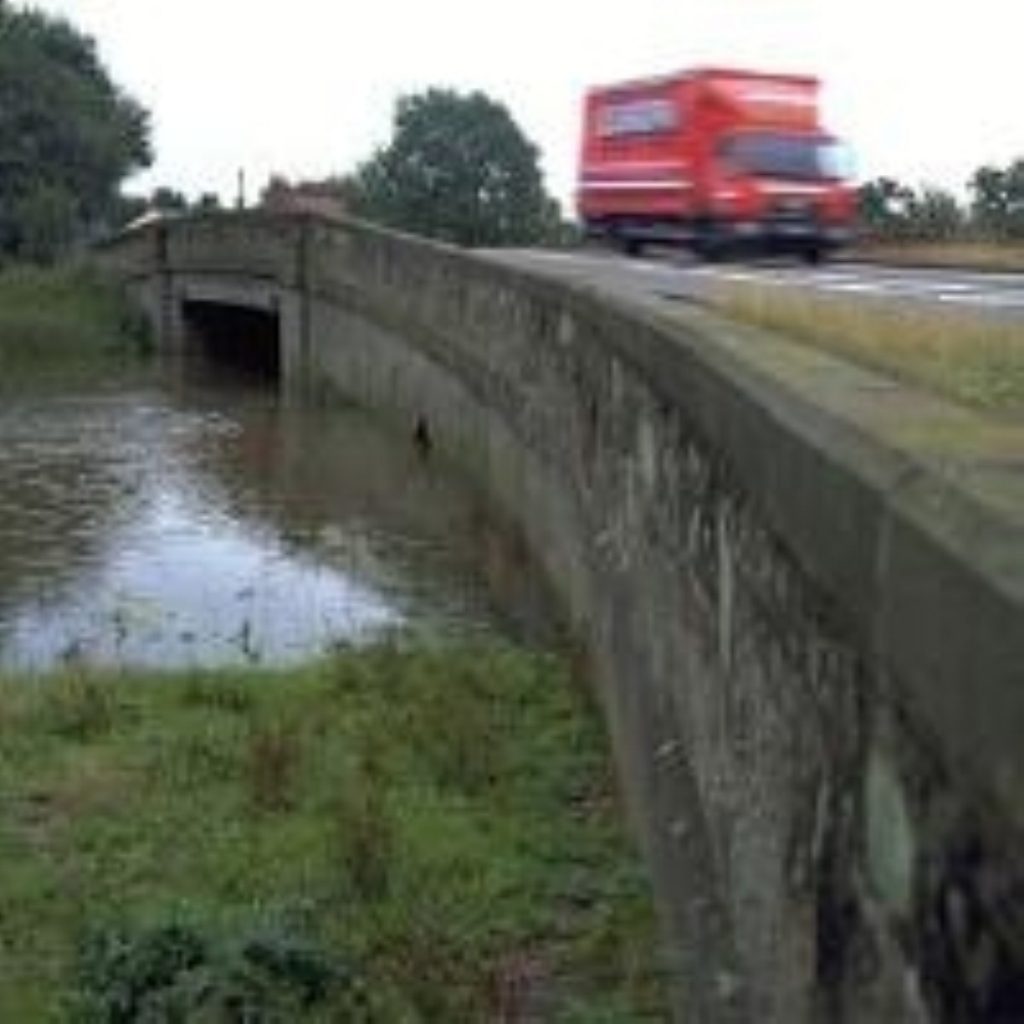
(719, 160)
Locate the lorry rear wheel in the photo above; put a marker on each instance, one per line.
(813, 255)
(630, 246)
(709, 243)
(710, 250)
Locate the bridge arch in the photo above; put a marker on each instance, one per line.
(788, 613)
(245, 337)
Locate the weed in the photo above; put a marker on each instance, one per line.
(118, 972)
(199, 757)
(452, 724)
(439, 977)
(173, 971)
(219, 693)
(435, 816)
(519, 985)
(273, 757)
(79, 706)
(363, 836)
(57, 311)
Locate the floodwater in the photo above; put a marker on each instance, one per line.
(148, 521)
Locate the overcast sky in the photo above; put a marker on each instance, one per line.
(923, 89)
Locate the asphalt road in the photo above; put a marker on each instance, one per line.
(672, 276)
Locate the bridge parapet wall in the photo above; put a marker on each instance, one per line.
(265, 247)
(808, 641)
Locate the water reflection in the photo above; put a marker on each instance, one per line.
(145, 523)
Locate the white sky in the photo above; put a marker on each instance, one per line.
(925, 90)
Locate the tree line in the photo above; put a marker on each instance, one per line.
(992, 212)
(458, 167)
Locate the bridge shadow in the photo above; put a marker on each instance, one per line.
(237, 338)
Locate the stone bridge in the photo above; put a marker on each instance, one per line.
(796, 589)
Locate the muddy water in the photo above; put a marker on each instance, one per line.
(156, 523)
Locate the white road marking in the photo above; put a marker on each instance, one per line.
(855, 286)
(993, 299)
(988, 291)
(958, 292)
(647, 267)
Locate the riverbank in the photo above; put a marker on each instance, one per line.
(70, 309)
(420, 833)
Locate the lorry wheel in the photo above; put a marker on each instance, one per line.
(813, 255)
(708, 243)
(631, 246)
(710, 250)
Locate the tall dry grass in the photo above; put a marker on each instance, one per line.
(955, 255)
(973, 359)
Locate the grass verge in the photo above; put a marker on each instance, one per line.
(67, 310)
(395, 834)
(955, 255)
(972, 359)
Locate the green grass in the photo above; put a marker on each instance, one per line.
(70, 310)
(974, 359)
(398, 834)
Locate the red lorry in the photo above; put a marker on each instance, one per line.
(717, 159)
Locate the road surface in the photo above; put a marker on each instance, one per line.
(672, 276)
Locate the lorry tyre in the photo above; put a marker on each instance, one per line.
(710, 242)
(631, 247)
(709, 248)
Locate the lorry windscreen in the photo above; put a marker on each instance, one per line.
(770, 154)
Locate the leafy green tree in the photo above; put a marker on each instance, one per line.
(934, 214)
(997, 200)
(458, 168)
(208, 202)
(884, 206)
(891, 210)
(45, 217)
(68, 134)
(168, 200)
(125, 209)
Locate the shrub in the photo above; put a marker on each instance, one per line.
(175, 972)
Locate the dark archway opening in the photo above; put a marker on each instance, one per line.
(239, 338)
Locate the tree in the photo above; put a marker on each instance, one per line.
(126, 209)
(935, 215)
(208, 202)
(884, 206)
(457, 168)
(892, 210)
(998, 200)
(68, 135)
(168, 200)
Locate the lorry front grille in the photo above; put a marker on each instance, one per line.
(792, 210)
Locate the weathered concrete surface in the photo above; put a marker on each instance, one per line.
(802, 615)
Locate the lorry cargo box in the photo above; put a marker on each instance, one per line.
(714, 158)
